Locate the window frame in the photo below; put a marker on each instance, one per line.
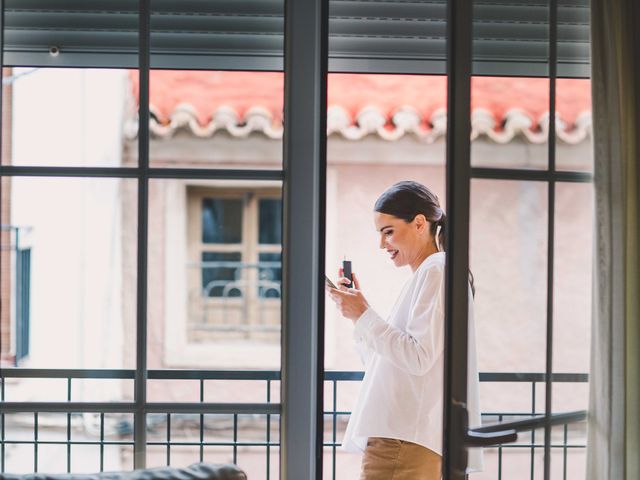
(304, 181)
(249, 248)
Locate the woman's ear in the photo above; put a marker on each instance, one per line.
(421, 223)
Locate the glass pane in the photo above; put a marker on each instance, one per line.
(216, 119)
(270, 221)
(270, 274)
(221, 274)
(69, 117)
(383, 129)
(574, 148)
(509, 122)
(510, 38)
(573, 278)
(508, 238)
(69, 246)
(221, 220)
(508, 255)
(574, 211)
(215, 304)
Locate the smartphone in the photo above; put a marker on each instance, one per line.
(329, 283)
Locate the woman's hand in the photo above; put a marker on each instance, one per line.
(349, 301)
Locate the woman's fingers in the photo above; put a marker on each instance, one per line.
(343, 282)
(356, 283)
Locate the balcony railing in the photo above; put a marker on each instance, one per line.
(110, 422)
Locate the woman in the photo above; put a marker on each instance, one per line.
(397, 421)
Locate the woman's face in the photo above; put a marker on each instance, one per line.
(406, 243)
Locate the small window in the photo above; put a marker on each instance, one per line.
(235, 266)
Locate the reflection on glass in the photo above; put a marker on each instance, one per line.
(221, 220)
(270, 221)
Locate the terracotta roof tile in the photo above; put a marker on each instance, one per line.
(387, 105)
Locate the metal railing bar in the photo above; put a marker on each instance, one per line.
(2, 443)
(533, 377)
(66, 373)
(117, 407)
(334, 427)
(138, 172)
(556, 446)
(530, 175)
(268, 436)
(211, 444)
(68, 427)
(539, 421)
(213, 408)
(213, 375)
(244, 444)
(168, 439)
(500, 453)
(235, 438)
(35, 442)
(201, 421)
(127, 374)
(564, 452)
(329, 413)
(102, 442)
(64, 442)
(64, 407)
(533, 433)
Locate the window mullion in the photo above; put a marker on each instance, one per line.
(140, 383)
(305, 119)
(553, 58)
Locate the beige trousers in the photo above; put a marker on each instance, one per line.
(391, 459)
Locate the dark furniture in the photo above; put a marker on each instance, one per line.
(197, 471)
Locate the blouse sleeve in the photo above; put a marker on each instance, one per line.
(417, 348)
(364, 352)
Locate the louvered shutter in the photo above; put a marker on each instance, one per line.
(385, 36)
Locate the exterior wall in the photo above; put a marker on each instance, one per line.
(6, 335)
(75, 223)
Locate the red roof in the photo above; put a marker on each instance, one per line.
(204, 94)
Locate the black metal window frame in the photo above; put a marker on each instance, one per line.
(303, 178)
(458, 437)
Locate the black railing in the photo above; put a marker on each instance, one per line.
(257, 423)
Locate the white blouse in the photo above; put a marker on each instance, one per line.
(401, 394)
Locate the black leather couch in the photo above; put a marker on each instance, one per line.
(197, 471)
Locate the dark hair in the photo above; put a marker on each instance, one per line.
(407, 199)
